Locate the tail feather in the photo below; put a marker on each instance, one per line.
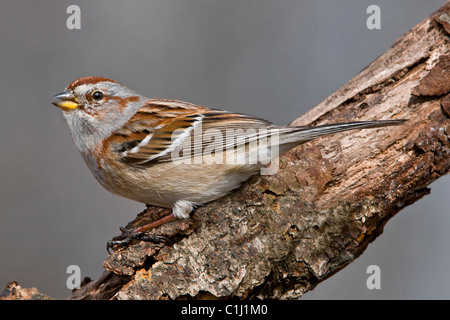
(303, 134)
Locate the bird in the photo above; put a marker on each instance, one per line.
(171, 153)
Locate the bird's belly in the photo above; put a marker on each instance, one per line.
(162, 184)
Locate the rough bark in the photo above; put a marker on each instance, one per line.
(279, 236)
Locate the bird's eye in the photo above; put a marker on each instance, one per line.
(98, 95)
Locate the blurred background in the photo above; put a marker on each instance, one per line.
(275, 59)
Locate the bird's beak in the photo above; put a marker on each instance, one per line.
(67, 101)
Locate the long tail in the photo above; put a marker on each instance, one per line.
(300, 135)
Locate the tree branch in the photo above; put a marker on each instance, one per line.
(279, 236)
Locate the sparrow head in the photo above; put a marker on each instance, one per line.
(97, 105)
(95, 95)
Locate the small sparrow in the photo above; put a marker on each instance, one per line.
(170, 153)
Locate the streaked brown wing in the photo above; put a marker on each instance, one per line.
(155, 132)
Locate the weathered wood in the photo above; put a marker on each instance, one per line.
(279, 236)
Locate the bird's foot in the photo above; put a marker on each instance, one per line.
(129, 235)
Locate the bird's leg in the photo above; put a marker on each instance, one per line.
(157, 223)
(139, 233)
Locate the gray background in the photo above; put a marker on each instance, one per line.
(274, 59)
